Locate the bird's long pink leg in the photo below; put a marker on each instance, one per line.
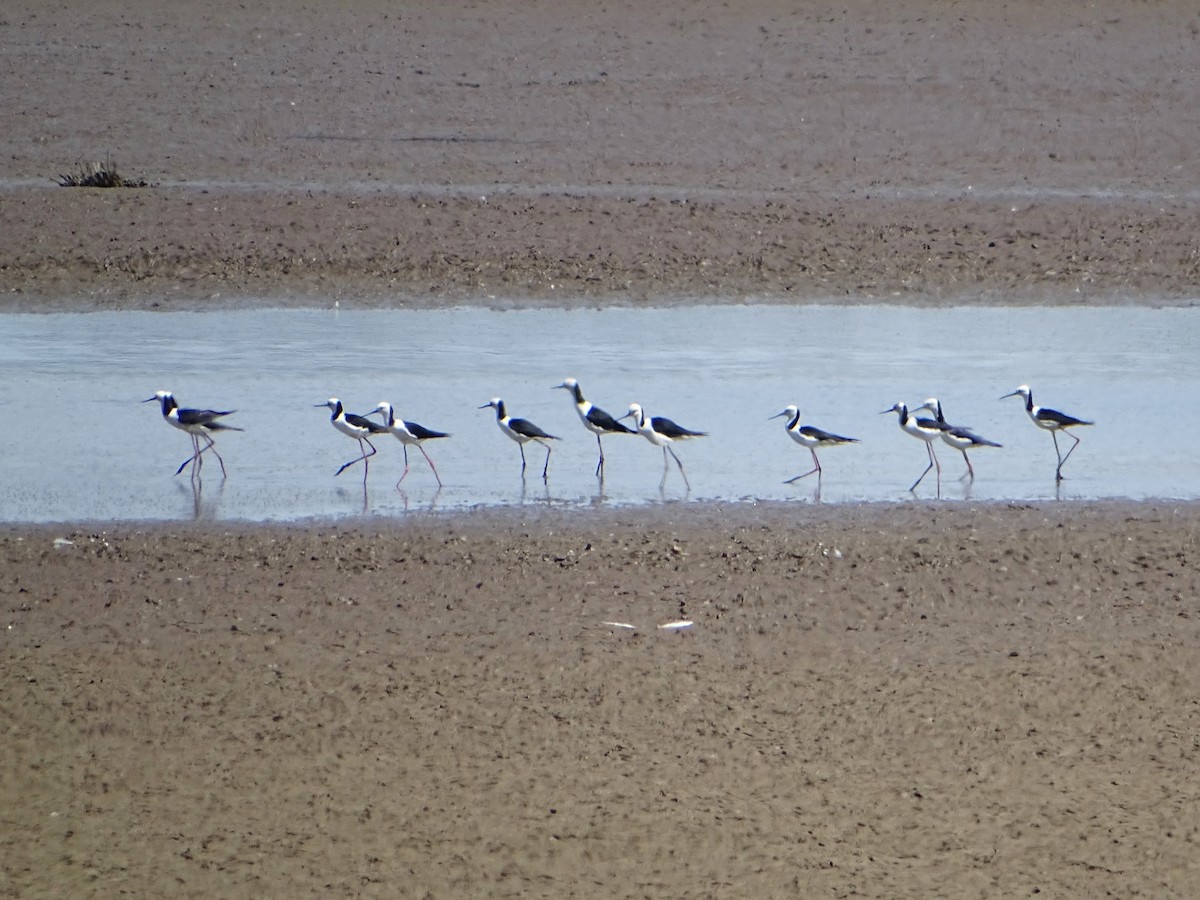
(432, 467)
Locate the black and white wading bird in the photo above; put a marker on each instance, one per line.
(522, 431)
(960, 438)
(811, 437)
(662, 432)
(926, 430)
(358, 427)
(409, 434)
(1053, 421)
(198, 423)
(594, 419)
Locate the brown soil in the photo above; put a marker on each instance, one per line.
(885, 702)
(566, 152)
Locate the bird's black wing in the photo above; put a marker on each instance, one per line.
(968, 435)
(421, 433)
(601, 419)
(369, 424)
(201, 416)
(1063, 420)
(529, 430)
(826, 436)
(665, 426)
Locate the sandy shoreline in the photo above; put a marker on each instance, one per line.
(901, 701)
(422, 251)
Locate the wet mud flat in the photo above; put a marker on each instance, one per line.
(890, 700)
(442, 154)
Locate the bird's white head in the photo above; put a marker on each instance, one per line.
(1023, 391)
(790, 411)
(332, 403)
(385, 408)
(160, 396)
(635, 413)
(900, 408)
(494, 403)
(568, 384)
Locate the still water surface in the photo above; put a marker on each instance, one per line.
(77, 445)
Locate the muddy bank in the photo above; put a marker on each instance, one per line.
(892, 701)
(567, 153)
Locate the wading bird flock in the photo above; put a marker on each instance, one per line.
(202, 424)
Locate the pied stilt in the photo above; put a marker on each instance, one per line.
(926, 430)
(409, 433)
(662, 432)
(198, 423)
(358, 427)
(960, 438)
(1053, 421)
(522, 431)
(594, 419)
(811, 437)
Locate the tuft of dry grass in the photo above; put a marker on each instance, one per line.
(98, 175)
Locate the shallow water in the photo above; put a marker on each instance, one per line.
(953, 189)
(97, 453)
